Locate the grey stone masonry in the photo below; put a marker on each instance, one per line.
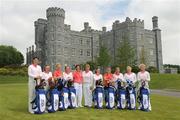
(57, 43)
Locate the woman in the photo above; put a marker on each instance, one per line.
(117, 75)
(129, 75)
(34, 72)
(47, 76)
(67, 74)
(87, 85)
(143, 76)
(97, 76)
(108, 77)
(57, 73)
(78, 79)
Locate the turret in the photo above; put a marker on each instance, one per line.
(155, 22)
(55, 15)
(158, 42)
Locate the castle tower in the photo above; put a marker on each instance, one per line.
(55, 31)
(158, 43)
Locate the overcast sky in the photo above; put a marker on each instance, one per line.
(17, 19)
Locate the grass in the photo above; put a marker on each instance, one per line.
(165, 81)
(13, 106)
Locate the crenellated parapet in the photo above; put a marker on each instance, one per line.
(54, 11)
(128, 23)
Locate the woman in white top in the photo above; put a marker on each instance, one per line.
(34, 71)
(87, 85)
(117, 75)
(67, 74)
(143, 76)
(97, 76)
(47, 76)
(129, 75)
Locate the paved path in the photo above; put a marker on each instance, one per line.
(166, 93)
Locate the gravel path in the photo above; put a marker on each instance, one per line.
(166, 93)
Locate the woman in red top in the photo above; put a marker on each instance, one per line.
(108, 77)
(57, 73)
(78, 79)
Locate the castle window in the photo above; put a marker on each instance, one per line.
(81, 41)
(151, 52)
(88, 53)
(81, 52)
(88, 42)
(151, 41)
(65, 51)
(73, 52)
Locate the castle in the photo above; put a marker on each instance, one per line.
(57, 43)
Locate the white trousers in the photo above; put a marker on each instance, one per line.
(31, 93)
(87, 94)
(78, 88)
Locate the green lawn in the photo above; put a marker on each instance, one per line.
(13, 106)
(165, 81)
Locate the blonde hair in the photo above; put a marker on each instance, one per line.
(142, 65)
(87, 65)
(129, 67)
(58, 65)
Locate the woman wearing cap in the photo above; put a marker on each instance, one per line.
(143, 76)
(34, 72)
(87, 85)
(78, 79)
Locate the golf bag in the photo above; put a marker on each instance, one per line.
(71, 95)
(63, 94)
(121, 95)
(131, 95)
(98, 95)
(110, 96)
(52, 97)
(39, 103)
(143, 97)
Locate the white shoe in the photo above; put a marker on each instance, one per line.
(32, 112)
(81, 106)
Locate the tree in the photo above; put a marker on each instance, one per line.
(143, 56)
(10, 56)
(125, 55)
(104, 58)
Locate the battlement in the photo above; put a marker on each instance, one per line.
(55, 11)
(40, 21)
(128, 22)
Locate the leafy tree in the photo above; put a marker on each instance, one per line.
(104, 58)
(10, 56)
(125, 55)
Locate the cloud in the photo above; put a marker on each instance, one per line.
(17, 19)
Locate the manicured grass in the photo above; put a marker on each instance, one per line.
(165, 81)
(13, 106)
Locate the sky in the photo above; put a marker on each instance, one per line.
(17, 19)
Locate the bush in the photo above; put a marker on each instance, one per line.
(152, 69)
(14, 70)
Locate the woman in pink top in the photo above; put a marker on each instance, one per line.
(78, 79)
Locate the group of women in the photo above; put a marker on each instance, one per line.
(84, 81)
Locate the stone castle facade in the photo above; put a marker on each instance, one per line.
(57, 43)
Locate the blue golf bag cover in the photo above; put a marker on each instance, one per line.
(144, 98)
(110, 97)
(63, 99)
(63, 94)
(72, 97)
(131, 95)
(121, 95)
(98, 97)
(39, 103)
(53, 100)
